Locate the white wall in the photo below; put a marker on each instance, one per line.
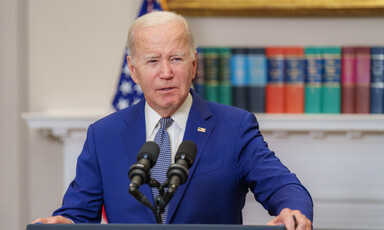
(13, 131)
(74, 51)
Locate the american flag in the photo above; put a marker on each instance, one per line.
(127, 92)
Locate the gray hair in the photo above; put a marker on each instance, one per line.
(157, 18)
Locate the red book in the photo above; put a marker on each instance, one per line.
(363, 79)
(274, 90)
(348, 80)
(294, 79)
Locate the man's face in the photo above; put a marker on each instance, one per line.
(163, 67)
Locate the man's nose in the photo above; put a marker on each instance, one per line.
(166, 70)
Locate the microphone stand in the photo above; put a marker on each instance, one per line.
(161, 201)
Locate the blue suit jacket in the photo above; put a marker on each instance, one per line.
(232, 158)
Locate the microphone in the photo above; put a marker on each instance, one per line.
(178, 172)
(146, 159)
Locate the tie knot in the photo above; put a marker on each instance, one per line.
(165, 122)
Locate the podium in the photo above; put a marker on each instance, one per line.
(150, 227)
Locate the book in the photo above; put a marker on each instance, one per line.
(225, 88)
(363, 79)
(257, 65)
(239, 77)
(294, 80)
(331, 92)
(274, 90)
(348, 80)
(313, 79)
(199, 82)
(211, 62)
(377, 80)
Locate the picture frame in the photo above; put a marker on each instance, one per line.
(278, 8)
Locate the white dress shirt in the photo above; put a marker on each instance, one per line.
(177, 128)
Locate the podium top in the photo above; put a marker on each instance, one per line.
(150, 227)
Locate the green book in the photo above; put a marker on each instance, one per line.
(225, 88)
(211, 61)
(313, 79)
(331, 92)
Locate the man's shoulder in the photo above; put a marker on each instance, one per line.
(221, 109)
(115, 118)
(215, 108)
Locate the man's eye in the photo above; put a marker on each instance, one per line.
(177, 59)
(152, 61)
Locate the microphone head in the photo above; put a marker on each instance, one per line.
(186, 151)
(150, 151)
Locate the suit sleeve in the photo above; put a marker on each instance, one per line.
(273, 185)
(82, 202)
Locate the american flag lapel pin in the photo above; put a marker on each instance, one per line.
(199, 129)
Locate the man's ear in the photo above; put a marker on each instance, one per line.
(131, 68)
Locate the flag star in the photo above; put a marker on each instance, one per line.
(138, 89)
(125, 88)
(122, 104)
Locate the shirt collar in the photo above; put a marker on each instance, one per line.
(180, 117)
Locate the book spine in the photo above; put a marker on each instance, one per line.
(275, 86)
(294, 79)
(199, 81)
(348, 80)
(239, 77)
(363, 79)
(211, 61)
(257, 64)
(331, 81)
(313, 79)
(225, 88)
(377, 80)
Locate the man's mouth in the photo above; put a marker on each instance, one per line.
(167, 88)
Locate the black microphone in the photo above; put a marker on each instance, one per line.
(146, 159)
(178, 172)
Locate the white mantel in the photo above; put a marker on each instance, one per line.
(338, 157)
(61, 123)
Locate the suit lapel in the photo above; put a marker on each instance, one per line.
(198, 130)
(134, 137)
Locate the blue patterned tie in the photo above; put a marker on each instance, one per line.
(159, 171)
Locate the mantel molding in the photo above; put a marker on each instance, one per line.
(61, 124)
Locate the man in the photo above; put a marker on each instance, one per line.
(232, 156)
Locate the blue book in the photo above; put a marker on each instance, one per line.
(257, 70)
(377, 80)
(239, 77)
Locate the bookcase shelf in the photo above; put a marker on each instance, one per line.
(318, 125)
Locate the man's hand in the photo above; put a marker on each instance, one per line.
(53, 220)
(292, 219)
